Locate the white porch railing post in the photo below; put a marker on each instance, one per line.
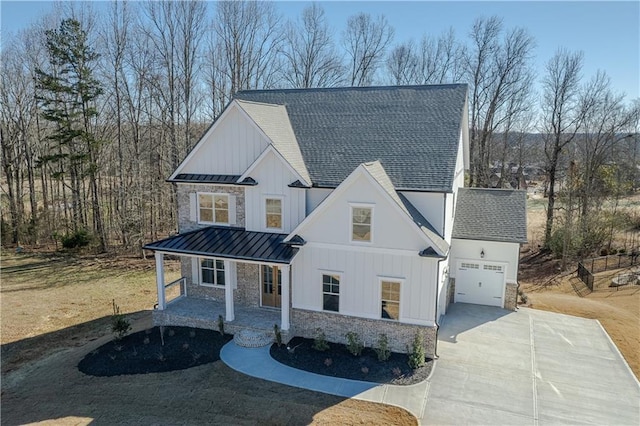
(160, 280)
(228, 291)
(284, 320)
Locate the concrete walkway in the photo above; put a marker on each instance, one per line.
(257, 362)
(496, 367)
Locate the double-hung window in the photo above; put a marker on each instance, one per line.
(331, 292)
(211, 272)
(273, 208)
(361, 223)
(390, 298)
(213, 208)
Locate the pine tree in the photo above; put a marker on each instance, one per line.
(67, 93)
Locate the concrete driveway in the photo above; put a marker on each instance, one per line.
(498, 367)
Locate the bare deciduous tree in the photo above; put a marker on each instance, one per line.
(310, 56)
(365, 41)
(561, 118)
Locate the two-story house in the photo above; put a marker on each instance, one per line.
(338, 210)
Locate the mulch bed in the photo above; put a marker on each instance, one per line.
(337, 361)
(144, 352)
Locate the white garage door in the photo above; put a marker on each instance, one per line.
(480, 283)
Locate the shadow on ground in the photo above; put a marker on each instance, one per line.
(51, 388)
(475, 316)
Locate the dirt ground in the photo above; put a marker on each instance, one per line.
(617, 310)
(55, 309)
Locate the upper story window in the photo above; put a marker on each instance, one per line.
(361, 223)
(273, 208)
(213, 208)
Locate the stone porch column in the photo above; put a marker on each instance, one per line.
(160, 280)
(284, 310)
(228, 291)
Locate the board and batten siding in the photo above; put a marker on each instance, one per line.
(493, 252)
(273, 177)
(360, 272)
(391, 228)
(431, 205)
(229, 148)
(314, 197)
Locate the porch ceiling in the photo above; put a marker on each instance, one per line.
(229, 243)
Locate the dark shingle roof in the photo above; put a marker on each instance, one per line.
(491, 215)
(229, 243)
(413, 130)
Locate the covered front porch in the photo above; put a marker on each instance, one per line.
(229, 273)
(201, 313)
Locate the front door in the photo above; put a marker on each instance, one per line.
(271, 289)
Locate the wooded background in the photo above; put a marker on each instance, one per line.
(97, 111)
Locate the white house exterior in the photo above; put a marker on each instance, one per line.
(335, 211)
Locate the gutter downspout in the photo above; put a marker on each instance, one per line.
(435, 348)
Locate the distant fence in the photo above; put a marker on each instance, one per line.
(588, 267)
(585, 275)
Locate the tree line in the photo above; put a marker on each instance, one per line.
(97, 111)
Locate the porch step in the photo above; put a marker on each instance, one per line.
(252, 338)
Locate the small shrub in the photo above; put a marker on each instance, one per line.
(622, 251)
(192, 334)
(171, 332)
(120, 325)
(118, 348)
(328, 362)
(524, 299)
(148, 331)
(146, 341)
(196, 356)
(365, 370)
(185, 346)
(221, 325)
(160, 357)
(320, 342)
(382, 350)
(396, 371)
(278, 334)
(354, 344)
(80, 238)
(416, 352)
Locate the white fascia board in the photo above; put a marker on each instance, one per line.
(408, 219)
(232, 105)
(267, 150)
(324, 205)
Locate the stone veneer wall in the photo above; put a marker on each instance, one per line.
(185, 224)
(511, 296)
(452, 291)
(247, 292)
(335, 326)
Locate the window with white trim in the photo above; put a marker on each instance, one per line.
(361, 220)
(273, 208)
(213, 208)
(331, 292)
(390, 300)
(212, 272)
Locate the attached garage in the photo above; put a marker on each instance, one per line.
(480, 283)
(488, 229)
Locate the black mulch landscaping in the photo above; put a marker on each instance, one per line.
(143, 352)
(337, 361)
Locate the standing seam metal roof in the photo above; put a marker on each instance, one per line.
(229, 243)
